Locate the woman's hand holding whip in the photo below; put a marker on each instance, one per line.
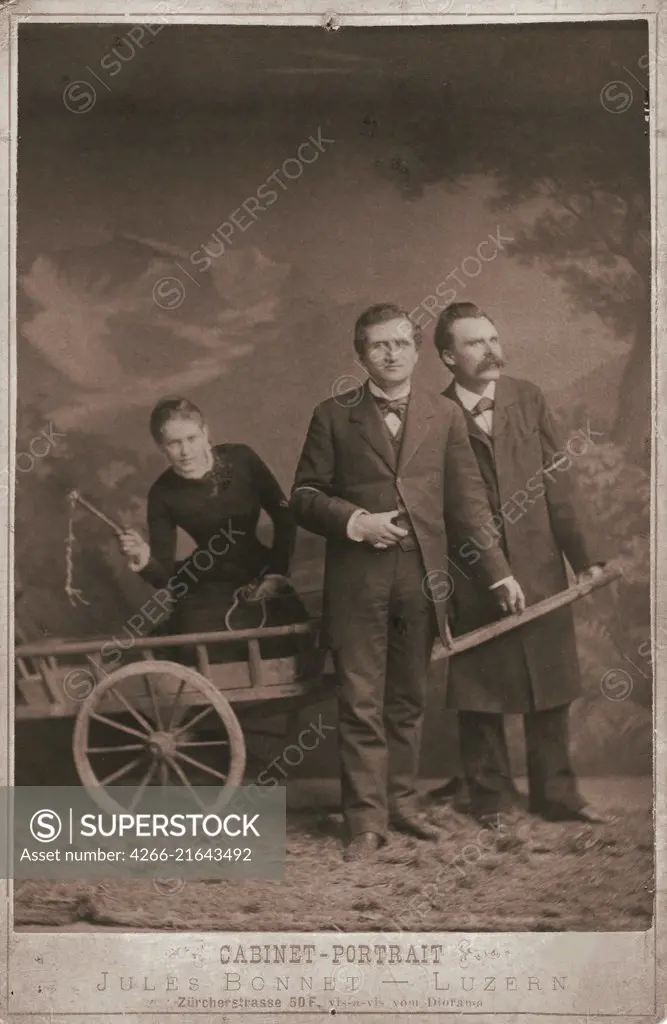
(135, 549)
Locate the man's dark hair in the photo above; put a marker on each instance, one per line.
(456, 311)
(172, 408)
(381, 314)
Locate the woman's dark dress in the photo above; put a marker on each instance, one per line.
(220, 512)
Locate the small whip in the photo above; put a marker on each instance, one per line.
(74, 498)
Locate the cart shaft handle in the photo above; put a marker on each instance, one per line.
(534, 611)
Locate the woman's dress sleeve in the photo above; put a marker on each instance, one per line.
(161, 539)
(274, 503)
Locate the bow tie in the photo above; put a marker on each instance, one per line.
(484, 405)
(395, 405)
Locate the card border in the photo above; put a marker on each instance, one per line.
(314, 12)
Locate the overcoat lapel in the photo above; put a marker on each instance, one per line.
(368, 420)
(418, 417)
(473, 428)
(503, 432)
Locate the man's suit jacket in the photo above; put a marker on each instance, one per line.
(348, 462)
(542, 522)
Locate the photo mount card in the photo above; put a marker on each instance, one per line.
(202, 201)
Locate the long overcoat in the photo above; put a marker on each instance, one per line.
(348, 462)
(531, 480)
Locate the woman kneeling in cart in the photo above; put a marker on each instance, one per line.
(215, 493)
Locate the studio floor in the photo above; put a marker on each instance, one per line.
(529, 875)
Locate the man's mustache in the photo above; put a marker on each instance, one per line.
(491, 362)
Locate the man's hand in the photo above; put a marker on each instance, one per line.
(376, 528)
(592, 573)
(135, 549)
(510, 596)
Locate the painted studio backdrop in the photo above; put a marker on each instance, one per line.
(205, 210)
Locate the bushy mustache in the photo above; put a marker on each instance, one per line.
(492, 362)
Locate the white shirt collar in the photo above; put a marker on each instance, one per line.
(379, 393)
(469, 399)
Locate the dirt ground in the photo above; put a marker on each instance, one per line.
(528, 875)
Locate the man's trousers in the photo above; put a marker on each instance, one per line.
(551, 779)
(381, 666)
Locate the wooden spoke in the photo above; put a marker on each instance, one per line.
(120, 772)
(185, 780)
(117, 725)
(200, 765)
(140, 718)
(172, 717)
(188, 725)
(156, 707)
(177, 693)
(142, 785)
(112, 750)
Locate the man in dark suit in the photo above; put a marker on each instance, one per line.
(386, 476)
(532, 491)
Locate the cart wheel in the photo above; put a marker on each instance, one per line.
(158, 742)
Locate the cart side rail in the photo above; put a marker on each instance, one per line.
(59, 648)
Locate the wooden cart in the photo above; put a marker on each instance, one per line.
(155, 721)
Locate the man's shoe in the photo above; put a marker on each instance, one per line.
(362, 846)
(587, 813)
(592, 816)
(446, 793)
(415, 825)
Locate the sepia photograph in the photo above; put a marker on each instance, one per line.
(332, 475)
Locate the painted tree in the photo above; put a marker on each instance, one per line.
(572, 188)
(576, 183)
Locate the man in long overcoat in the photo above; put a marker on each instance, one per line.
(389, 478)
(531, 485)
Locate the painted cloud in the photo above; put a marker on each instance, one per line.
(96, 322)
